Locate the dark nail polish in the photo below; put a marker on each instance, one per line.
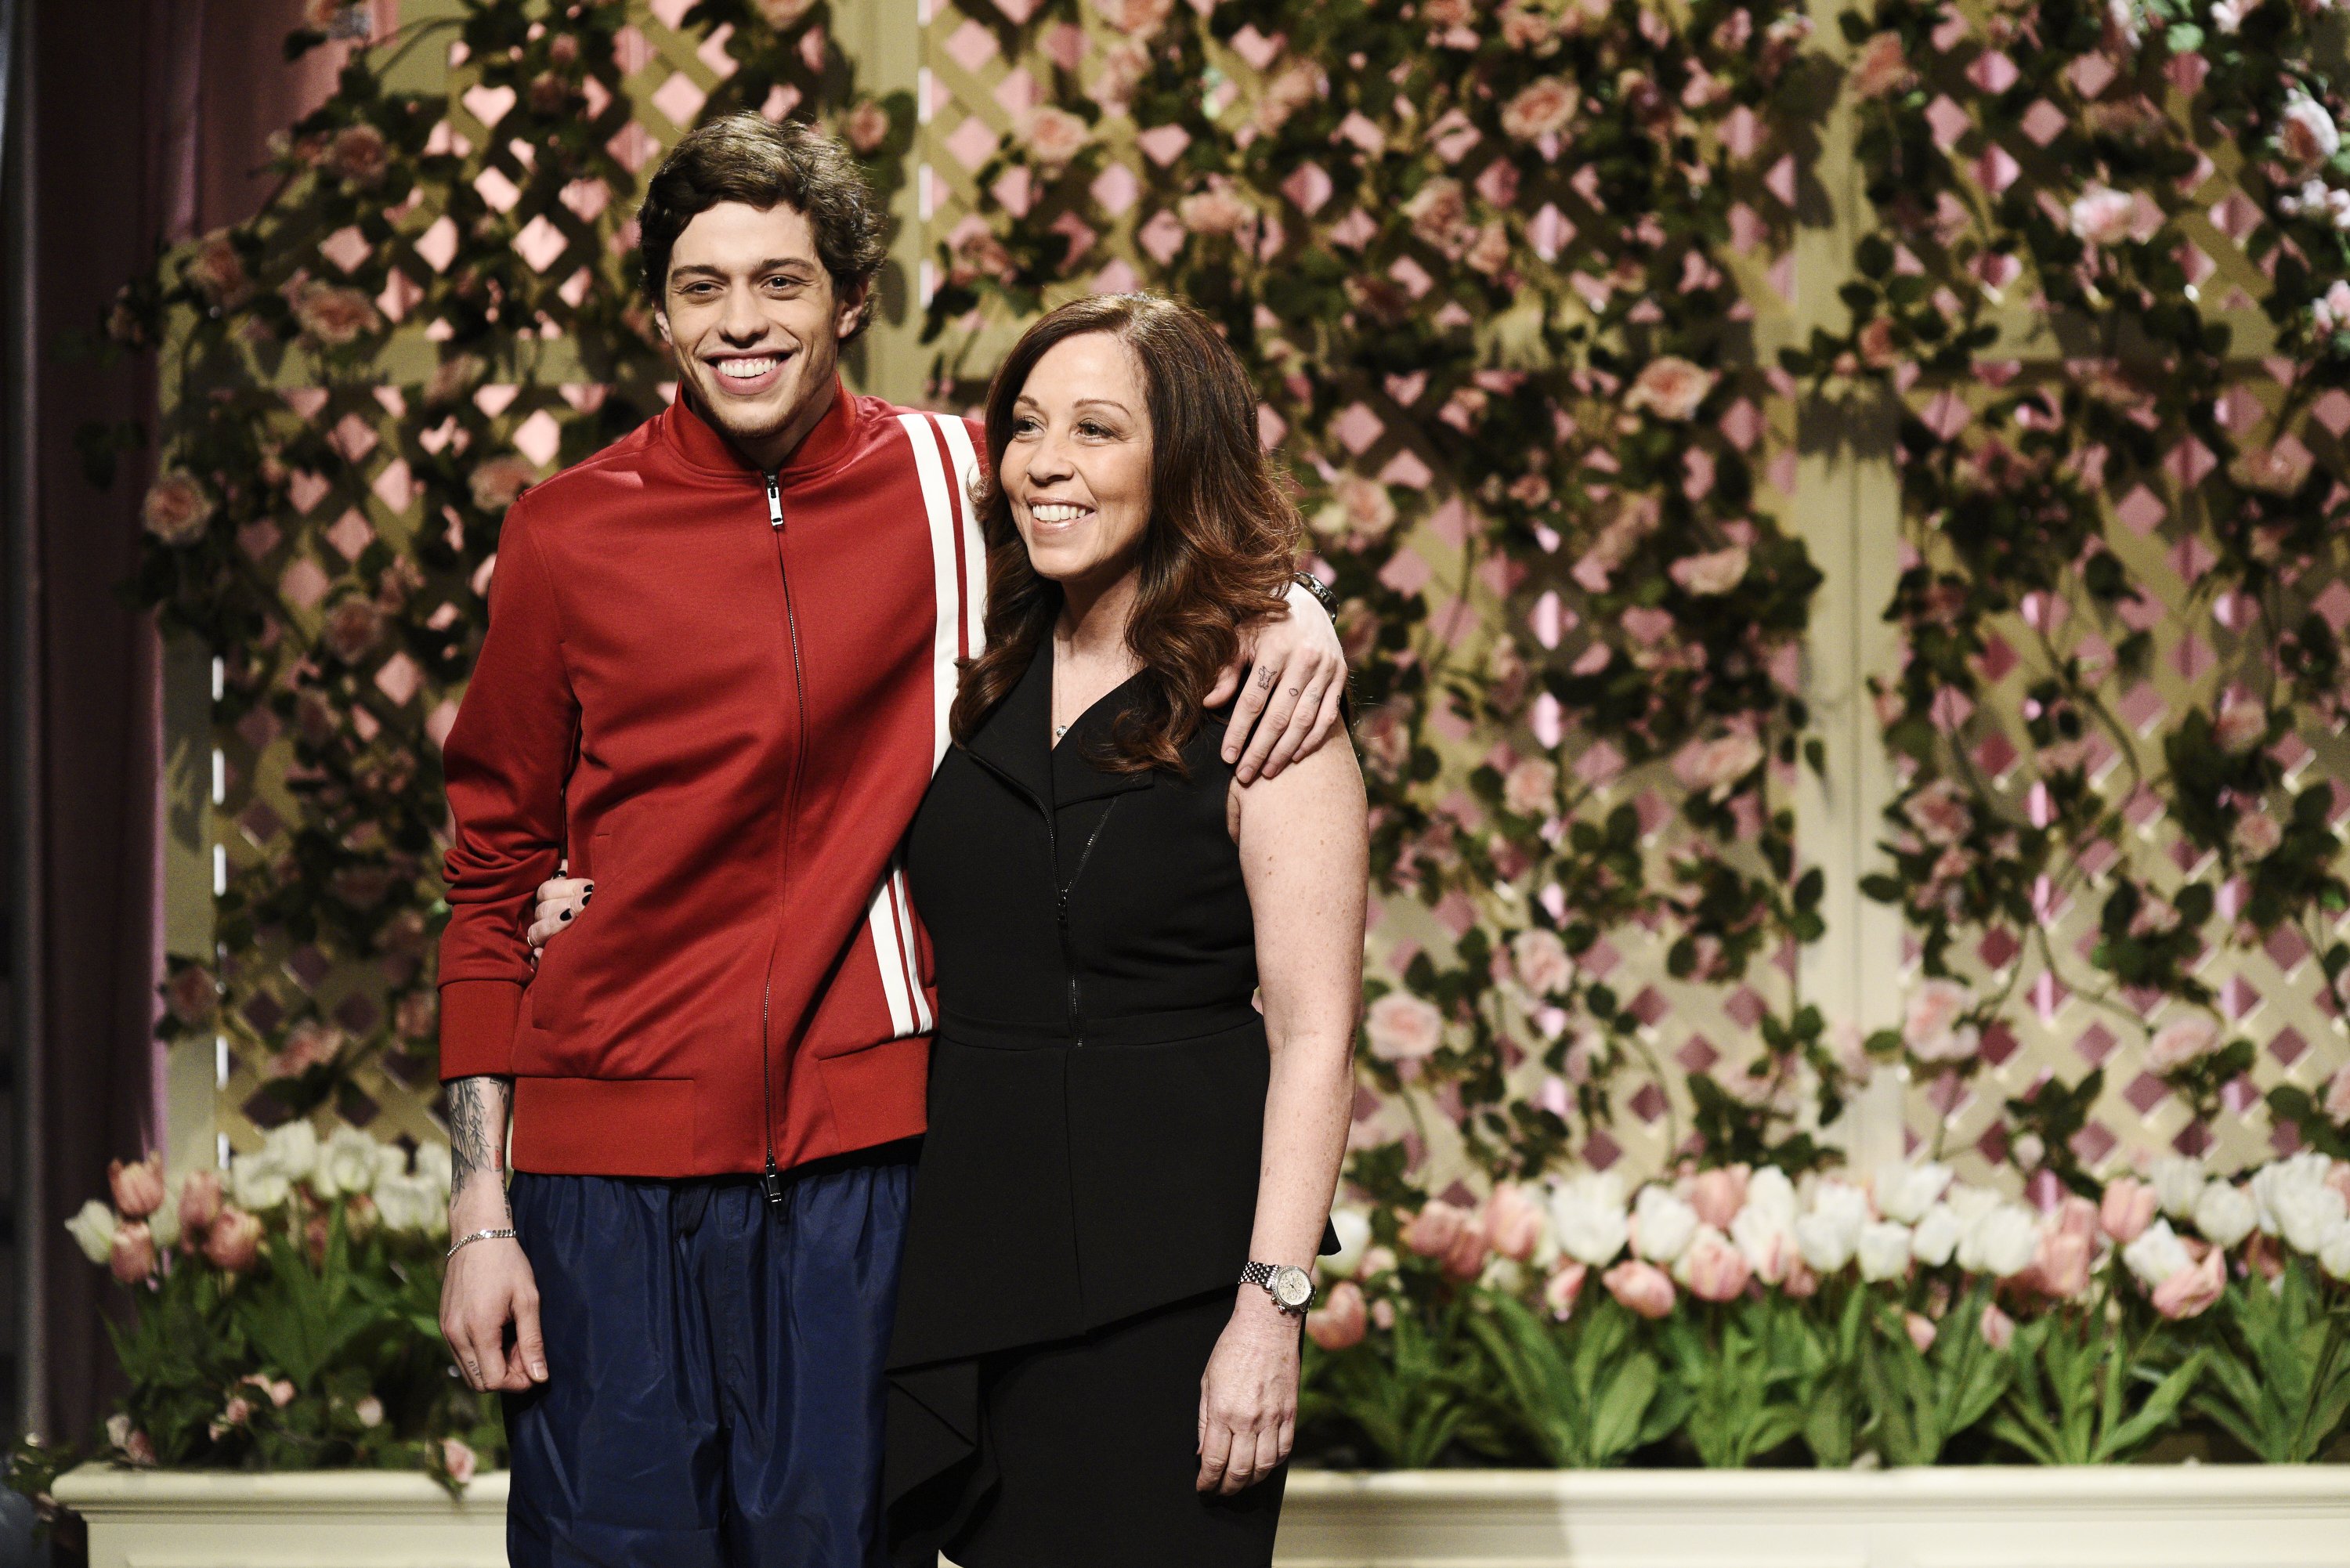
(566, 914)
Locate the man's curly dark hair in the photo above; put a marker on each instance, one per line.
(747, 158)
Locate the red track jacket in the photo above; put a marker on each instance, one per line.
(721, 693)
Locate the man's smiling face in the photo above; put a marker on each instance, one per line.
(756, 324)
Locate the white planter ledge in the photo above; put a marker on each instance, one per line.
(2126, 1517)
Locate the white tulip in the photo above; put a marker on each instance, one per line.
(391, 1160)
(1904, 1192)
(2155, 1255)
(1884, 1251)
(1354, 1229)
(293, 1150)
(1972, 1205)
(2177, 1184)
(1662, 1225)
(2225, 1214)
(1936, 1237)
(1824, 1243)
(347, 1163)
(410, 1203)
(2304, 1214)
(1768, 1243)
(257, 1183)
(1770, 1194)
(2002, 1242)
(164, 1225)
(2302, 1173)
(92, 1229)
(433, 1164)
(2334, 1253)
(1588, 1214)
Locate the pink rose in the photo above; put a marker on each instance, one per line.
(1054, 136)
(1670, 387)
(1719, 1195)
(1402, 1027)
(1542, 108)
(1214, 210)
(1712, 767)
(2305, 131)
(359, 154)
(1136, 19)
(1119, 65)
(192, 994)
(1940, 813)
(457, 1459)
(1541, 961)
(2128, 1209)
(132, 1254)
(1530, 30)
(499, 482)
(2238, 729)
(2102, 215)
(1513, 1222)
(1339, 1322)
(1923, 1332)
(234, 1241)
(1489, 253)
(2338, 1096)
(866, 128)
(1875, 342)
(2192, 1290)
(217, 271)
(1561, 1291)
(1530, 788)
(1715, 1269)
(2273, 471)
(352, 628)
(1371, 511)
(1930, 1026)
(2181, 1042)
(177, 508)
(138, 1188)
(2331, 313)
(1436, 1228)
(1439, 210)
(1998, 1328)
(2256, 834)
(1716, 572)
(308, 1044)
(1882, 68)
(1639, 1287)
(334, 315)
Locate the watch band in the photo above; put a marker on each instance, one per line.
(1319, 589)
(1265, 1276)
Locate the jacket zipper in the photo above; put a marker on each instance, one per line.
(771, 1183)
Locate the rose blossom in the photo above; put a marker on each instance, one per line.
(2337, 1094)
(1940, 813)
(131, 1253)
(1371, 511)
(2332, 311)
(1716, 572)
(2181, 1042)
(1998, 1328)
(2191, 1290)
(1640, 1287)
(1541, 961)
(234, 1241)
(1436, 1228)
(1137, 18)
(2256, 834)
(1339, 1322)
(1930, 1026)
(138, 1188)
(1402, 1027)
(1714, 766)
(1718, 1195)
(2102, 215)
(177, 508)
(1530, 788)
(2305, 131)
(866, 127)
(217, 271)
(1439, 209)
(192, 994)
(2239, 728)
(1054, 136)
(1542, 107)
(1587, 1213)
(1713, 1269)
(2127, 1210)
(359, 154)
(352, 628)
(1513, 1222)
(334, 315)
(497, 483)
(1670, 387)
(1882, 68)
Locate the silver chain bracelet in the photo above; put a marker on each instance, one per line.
(505, 1235)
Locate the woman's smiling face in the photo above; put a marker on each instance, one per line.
(1077, 468)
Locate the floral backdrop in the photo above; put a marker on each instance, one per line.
(1519, 285)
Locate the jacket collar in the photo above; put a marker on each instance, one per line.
(703, 449)
(1016, 740)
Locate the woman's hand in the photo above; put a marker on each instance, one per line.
(1291, 676)
(561, 899)
(1248, 1396)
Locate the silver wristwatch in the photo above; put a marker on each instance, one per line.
(1291, 1288)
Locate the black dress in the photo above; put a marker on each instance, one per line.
(1088, 1185)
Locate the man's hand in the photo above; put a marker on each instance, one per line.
(1296, 674)
(489, 1284)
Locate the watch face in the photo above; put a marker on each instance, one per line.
(1291, 1287)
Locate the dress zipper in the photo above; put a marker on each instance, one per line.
(771, 1183)
(1068, 958)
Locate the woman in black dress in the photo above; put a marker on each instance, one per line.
(1128, 1166)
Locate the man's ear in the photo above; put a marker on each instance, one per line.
(846, 309)
(660, 320)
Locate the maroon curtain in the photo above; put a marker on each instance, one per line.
(145, 122)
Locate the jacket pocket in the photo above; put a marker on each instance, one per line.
(578, 956)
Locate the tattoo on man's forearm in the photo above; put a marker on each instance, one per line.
(477, 1128)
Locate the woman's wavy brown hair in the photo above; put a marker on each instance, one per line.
(1216, 553)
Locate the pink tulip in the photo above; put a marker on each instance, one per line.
(1718, 1271)
(234, 1240)
(1562, 1289)
(1513, 1222)
(1718, 1195)
(2060, 1267)
(1800, 1282)
(1466, 1258)
(138, 1188)
(459, 1459)
(1436, 1228)
(2338, 1179)
(1998, 1328)
(2127, 1210)
(1922, 1332)
(1339, 1322)
(199, 1203)
(2192, 1290)
(132, 1254)
(1643, 1288)
(1383, 1314)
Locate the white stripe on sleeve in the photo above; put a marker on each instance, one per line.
(941, 507)
(881, 920)
(974, 552)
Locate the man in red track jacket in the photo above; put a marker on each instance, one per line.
(717, 675)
